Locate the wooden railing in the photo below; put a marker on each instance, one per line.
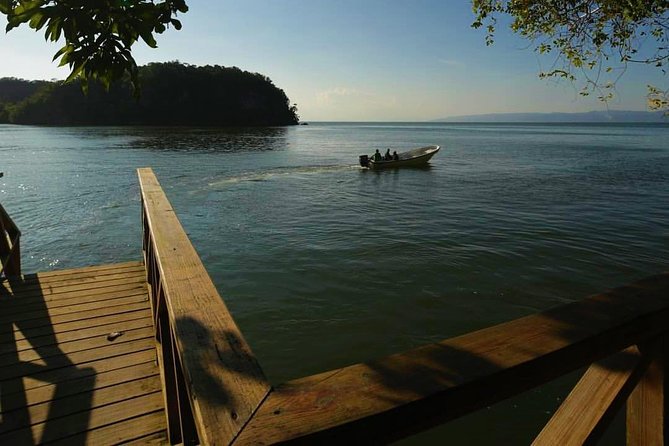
(212, 382)
(216, 392)
(10, 246)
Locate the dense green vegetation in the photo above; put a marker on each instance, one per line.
(15, 90)
(172, 94)
(98, 35)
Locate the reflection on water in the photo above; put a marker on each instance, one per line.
(187, 139)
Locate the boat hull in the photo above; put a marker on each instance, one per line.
(413, 158)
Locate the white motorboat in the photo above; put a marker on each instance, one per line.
(412, 158)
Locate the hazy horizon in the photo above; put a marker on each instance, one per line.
(352, 61)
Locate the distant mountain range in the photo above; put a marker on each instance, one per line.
(593, 116)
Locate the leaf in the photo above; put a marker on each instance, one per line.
(66, 49)
(6, 6)
(38, 20)
(149, 40)
(76, 69)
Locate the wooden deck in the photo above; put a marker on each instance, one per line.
(62, 379)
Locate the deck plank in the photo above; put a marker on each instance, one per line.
(80, 358)
(40, 292)
(55, 277)
(79, 346)
(77, 325)
(82, 315)
(103, 379)
(135, 297)
(135, 320)
(84, 421)
(63, 381)
(131, 431)
(48, 377)
(28, 304)
(42, 412)
(87, 269)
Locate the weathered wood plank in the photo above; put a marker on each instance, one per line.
(45, 393)
(119, 301)
(79, 358)
(83, 401)
(53, 292)
(226, 384)
(45, 353)
(125, 432)
(648, 406)
(81, 315)
(49, 377)
(153, 439)
(68, 277)
(42, 292)
(21, 304)
(404, 393)
(140, 321)
(590, 407)
(85, 270)
(82, 422)
(113, 319)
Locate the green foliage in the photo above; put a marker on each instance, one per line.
(594, 37)
(14, 90)
(98, 34)
(657, 99)
(172, 94)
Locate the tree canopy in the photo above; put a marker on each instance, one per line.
(591, 39)
(98, 34)
(172, 94)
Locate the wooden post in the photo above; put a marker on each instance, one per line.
(10, 248)
(648, 403)
(589, 408)
(13, 266)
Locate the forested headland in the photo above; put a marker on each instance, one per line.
(172, 93)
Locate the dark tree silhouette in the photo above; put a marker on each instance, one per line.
(172, 94)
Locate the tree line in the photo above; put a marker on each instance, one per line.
(173, 93)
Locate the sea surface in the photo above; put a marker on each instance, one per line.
(325, 264)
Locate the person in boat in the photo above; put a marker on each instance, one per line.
(388, 156)
(377, 155)
(396, 157)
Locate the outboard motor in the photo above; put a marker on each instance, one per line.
(364, 160)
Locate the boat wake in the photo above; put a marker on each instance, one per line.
(279, 172)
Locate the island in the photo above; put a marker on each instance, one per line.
(172, 93)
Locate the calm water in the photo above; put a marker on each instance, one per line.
(324, 264)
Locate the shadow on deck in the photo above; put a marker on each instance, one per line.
(63, 378)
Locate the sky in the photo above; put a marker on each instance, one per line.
(357, 60)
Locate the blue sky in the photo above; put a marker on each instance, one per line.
(345, 60)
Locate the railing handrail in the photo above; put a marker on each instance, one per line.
(10, 251)
(405, 393)
(214, 367)
(213, 382)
